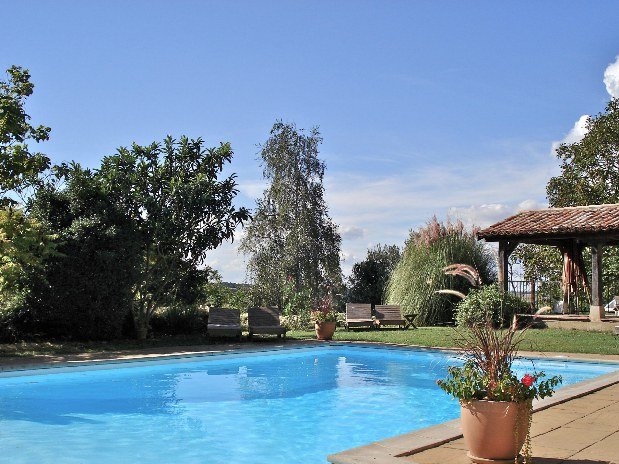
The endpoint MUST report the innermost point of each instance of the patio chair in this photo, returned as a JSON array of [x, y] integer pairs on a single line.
[[613, 306], [389, 315], [265, 321], [224, 323], [359, 316]]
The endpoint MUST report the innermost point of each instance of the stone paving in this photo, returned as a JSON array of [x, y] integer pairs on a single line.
[[580, 431]]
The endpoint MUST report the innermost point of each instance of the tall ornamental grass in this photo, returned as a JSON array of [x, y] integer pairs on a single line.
[[419, 274]]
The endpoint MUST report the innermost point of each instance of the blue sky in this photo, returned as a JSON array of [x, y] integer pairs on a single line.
[[427, 107]]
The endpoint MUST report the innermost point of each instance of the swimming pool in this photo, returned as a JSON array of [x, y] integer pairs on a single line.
[[293, 405]]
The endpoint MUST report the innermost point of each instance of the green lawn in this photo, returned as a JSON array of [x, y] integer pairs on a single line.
[[557, 340]]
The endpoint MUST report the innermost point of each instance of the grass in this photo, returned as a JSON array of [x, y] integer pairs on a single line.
[[59, 348], [548, 340]]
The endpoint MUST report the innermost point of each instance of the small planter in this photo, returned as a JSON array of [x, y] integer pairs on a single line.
[[494, 431], [325, 330]]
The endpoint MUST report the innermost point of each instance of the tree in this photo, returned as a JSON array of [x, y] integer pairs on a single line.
[[291, 234], [19, 167], [589, 168], [369, 277], [589, 173], [179, 209], [420, 272], [86, 292], [24, 246]]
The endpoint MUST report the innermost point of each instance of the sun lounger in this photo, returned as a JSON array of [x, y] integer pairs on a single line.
[[359, 316], [389, 315], [265, 321], [224, 323]]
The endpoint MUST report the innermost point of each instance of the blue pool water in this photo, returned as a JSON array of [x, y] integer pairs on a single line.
[[287, 406]]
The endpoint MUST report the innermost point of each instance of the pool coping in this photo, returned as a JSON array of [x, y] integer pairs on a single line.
[[15, 365]]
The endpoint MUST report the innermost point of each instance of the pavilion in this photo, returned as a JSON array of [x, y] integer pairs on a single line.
[[570, 229]]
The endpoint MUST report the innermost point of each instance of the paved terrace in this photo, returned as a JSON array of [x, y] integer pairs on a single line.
[[581, 431]]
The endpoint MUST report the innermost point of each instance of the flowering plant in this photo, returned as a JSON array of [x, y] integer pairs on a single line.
[[487, 371], [325, 311], [469, 383]]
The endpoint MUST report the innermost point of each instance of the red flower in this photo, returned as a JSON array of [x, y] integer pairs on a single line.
[[527, 380]]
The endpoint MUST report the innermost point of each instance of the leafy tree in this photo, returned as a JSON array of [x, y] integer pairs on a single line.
[[589, 173], [179, 209], [420, 272], [86, 290], [291, 234], [589, 168], [539, 262], [24, 246], [368, 280], [226, 295], [19, 167]]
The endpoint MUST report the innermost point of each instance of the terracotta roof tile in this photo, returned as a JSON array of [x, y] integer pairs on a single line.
[[592, 219]]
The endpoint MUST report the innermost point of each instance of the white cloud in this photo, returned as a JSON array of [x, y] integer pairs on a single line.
[[352, 232], [576, 134], [487, 214], [252, 189], [479, 192], [529, 205], [481, 215], [611, 78]]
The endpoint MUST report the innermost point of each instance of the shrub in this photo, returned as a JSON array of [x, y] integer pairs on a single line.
[[489, 303], [419, 274], [86, 291], [25, 244], [179, 319], [369, 277]]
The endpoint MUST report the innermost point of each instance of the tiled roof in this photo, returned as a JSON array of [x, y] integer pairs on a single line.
[[592, 219]]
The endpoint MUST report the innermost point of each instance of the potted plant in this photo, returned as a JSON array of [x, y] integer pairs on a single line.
[[325, 319], [495, 404]]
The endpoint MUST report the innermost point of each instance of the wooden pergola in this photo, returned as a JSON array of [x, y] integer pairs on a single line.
[[571, 230]]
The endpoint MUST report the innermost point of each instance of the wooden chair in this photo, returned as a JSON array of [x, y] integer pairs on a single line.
[[224, 323], [389, 315], [359, 316], [265, 321]]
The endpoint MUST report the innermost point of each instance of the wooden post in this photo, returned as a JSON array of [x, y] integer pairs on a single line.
[[532, 296], [505, 249], [596, 310]]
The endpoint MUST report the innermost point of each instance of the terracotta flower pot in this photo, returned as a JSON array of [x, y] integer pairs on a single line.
[[325, 330], [494, 431]]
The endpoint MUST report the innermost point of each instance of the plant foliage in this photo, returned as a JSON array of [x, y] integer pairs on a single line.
[[589, 172], [24, 246], [87, 288], [291, 233], [489, 302], [487, 371], [368, 279], [19, 166], [419, 275], [179, 208]]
